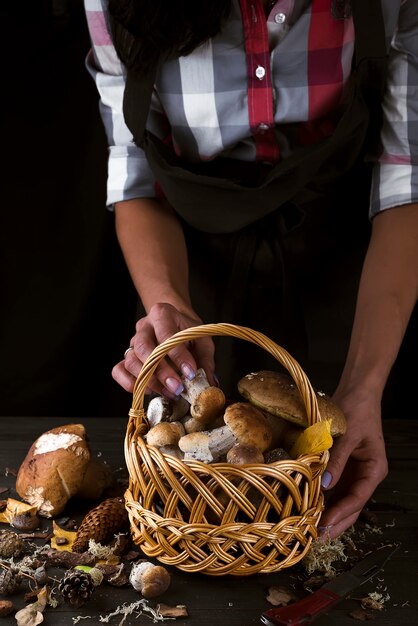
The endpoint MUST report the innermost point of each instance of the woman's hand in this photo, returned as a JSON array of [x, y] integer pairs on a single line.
[[357, 463], [163, 321]]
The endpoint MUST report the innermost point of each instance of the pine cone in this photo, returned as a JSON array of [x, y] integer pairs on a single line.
[[10, 544], [101, 523], [9, 581], [76, 587]]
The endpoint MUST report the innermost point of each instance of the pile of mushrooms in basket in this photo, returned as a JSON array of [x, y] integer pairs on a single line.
[[268, 425]]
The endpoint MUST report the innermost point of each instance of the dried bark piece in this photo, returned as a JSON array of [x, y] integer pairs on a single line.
[[180, 610], [66, 559], [101, 523]]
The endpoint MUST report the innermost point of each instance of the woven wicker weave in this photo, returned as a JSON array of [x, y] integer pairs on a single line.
[[220, 518]]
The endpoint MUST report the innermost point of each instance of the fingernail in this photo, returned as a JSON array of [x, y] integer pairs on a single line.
[[324, 530], [188, 371], [174, 386], [326, 479]]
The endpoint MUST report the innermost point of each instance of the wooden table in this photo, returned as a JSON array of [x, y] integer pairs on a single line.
[[228, 601]]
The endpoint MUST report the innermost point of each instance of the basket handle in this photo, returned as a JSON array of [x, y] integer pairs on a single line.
[[223, 329]]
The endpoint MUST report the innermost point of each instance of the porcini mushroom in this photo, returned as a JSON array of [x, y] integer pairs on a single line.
[[244, 423], [149, 579], [53, 469], [206, 402], [165, 436], [276, 393], [161, 409], [242, 454]]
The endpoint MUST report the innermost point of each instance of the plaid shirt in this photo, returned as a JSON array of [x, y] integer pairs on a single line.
[[260, 88]]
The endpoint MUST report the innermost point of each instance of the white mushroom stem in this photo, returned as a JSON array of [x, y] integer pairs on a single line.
[[162, 409], [172, 451], [207, 446], [193, 388]]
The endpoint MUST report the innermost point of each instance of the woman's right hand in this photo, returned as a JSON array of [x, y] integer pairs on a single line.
[[163, 321]]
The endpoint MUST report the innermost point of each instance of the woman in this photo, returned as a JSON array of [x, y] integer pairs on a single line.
[[252, 123]]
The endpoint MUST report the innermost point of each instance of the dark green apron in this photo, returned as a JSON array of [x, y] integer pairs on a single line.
[[279, 248]]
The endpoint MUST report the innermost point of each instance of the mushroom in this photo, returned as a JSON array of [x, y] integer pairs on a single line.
[[206, 402], [277, 454], [244, 423], [149, 579], [97, 477], [54, 468], [161, 409], [242, 454], [165, 436], [277, 394]]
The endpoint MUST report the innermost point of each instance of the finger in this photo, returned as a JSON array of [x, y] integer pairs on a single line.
[[339, 455], [165, 376], [332, 531], [123, 377], [180, 355], [351, 503]]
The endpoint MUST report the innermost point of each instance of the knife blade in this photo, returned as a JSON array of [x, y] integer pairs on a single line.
[[306, 610]]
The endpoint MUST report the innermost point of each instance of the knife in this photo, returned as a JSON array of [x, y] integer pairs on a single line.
[[306, 610]]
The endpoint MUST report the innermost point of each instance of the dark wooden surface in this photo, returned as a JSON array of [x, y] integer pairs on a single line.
[[228, 601]]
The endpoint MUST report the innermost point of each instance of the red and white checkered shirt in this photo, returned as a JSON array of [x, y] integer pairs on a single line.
[[260, 88]]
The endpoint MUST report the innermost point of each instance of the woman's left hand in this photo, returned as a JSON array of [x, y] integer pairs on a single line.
[[357, 463]]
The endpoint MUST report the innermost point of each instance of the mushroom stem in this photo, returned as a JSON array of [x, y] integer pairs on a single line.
[[162, 409]]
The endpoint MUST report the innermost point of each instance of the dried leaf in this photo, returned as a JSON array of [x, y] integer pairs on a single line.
[[60, 533], [29, 616], [32, 615], [180, 610], [16, 507], [371, 603], [314, 582], [363, 616], [280, 596]]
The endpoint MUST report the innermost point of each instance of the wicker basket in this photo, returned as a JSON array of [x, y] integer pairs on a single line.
[[220, 518]]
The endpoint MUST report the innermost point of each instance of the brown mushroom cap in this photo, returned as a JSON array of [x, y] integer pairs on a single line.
[[149, 579], [54, 468], [248, 425], [208, 405], [165, 434], [242, 454], [277, 394]]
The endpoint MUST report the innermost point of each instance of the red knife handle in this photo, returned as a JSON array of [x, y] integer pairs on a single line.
[[301, 612]]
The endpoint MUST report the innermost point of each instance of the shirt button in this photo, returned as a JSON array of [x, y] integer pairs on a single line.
[[263, 127], [260, 72], [279, 18]]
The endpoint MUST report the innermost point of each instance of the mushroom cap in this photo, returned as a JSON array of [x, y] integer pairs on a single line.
[[248, 425], [165, 434], [196, 446], [149, 579], [277, 394], [53, 469], [242, 454], [208, 404]]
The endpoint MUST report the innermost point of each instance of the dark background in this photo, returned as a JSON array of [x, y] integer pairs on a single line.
[[67, 305]]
